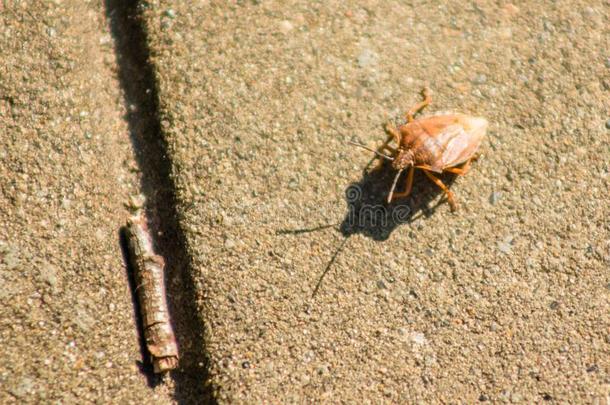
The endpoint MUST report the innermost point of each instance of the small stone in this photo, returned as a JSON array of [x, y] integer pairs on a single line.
[[286, 26], [26, 385], [367, 58], [608, 124], [418, 338], [11, 259], [245, 364], [105, 39], [48, 273], [495, 197], [99, 235], [381, 285], [505, 246], [136, 202], [83, 319], [229, 244], [170, 13], [483, 398], [515, 397], [480, 79], [323, 369], [308, 356]]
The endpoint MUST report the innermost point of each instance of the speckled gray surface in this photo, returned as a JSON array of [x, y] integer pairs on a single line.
[[507, 300]]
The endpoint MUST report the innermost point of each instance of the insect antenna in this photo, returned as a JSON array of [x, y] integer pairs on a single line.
[[372, 150], [394, 185]]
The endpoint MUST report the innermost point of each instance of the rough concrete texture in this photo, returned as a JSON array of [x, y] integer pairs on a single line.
[[67, 328], [505, 300]]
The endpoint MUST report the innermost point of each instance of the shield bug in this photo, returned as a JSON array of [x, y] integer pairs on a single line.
[[436, 144]]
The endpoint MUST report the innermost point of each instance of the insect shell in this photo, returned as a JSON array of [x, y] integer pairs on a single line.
[[436, 144]]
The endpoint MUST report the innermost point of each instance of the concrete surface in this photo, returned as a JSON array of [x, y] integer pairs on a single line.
[[503, 301], [506, 300], [67, 327]]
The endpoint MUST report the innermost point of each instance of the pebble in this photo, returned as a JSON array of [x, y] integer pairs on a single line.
[[170, 13], [309, 356], [105, 39], [83, 319], [286, 26], [505, 246], [136, 202], [608, 124], [48, 273], [381, 285], [24, 388], [495, 197], [480, 79], [11, 259], [229, 244], [367, 58], [324, 369], [418, 338]]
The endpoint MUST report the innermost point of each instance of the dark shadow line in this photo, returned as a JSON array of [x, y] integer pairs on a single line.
[[141, 98], [329, 265], [305, 230]]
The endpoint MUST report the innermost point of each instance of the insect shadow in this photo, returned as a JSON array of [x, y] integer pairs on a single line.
[[368, 212]]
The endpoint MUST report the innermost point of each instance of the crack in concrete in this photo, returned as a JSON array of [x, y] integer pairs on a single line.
[[140, 91]]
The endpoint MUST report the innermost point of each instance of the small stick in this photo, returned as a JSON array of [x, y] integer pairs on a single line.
[[150, 284]]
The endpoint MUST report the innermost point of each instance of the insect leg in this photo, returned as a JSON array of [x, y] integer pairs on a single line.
[[460, 170], [448, 192], [419, 106], [408, 187], [393, 134]]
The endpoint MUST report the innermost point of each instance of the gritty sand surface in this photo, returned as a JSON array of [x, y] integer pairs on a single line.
[[506, 300], [67, 329]]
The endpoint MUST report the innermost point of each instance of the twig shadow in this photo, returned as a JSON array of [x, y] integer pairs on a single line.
[[145, 365]]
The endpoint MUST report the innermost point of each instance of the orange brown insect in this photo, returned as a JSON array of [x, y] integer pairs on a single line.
[[436, 144]]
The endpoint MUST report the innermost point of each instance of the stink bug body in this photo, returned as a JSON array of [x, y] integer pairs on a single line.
[[435, 144]]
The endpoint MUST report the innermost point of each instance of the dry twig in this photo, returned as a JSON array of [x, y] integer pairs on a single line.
[[149, 278]]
